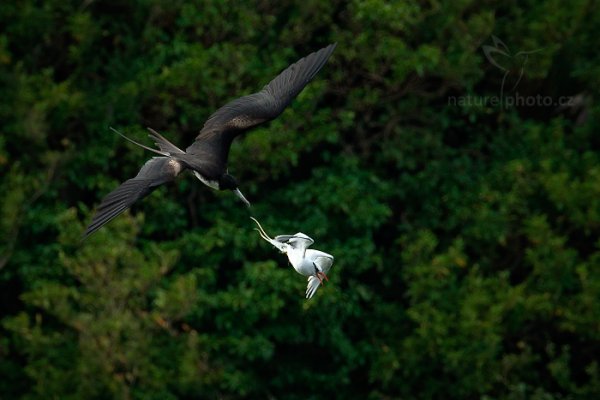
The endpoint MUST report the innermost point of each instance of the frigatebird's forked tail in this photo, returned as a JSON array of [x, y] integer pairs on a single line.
[[155, 172]]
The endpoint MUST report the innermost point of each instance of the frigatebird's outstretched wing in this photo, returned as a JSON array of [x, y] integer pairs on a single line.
[[246, 112], [154, 173]]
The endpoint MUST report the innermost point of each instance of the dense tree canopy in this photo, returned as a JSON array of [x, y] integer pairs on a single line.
[[464, 222]]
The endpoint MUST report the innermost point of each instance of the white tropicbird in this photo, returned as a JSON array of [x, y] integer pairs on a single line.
[[314, 264]]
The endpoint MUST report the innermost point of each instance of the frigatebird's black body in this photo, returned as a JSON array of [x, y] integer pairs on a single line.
[[207, 156]]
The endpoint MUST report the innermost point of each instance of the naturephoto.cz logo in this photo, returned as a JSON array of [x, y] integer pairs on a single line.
[[512, 66]]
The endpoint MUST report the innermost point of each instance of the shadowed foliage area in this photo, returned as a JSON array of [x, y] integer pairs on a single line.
[[447, 155]]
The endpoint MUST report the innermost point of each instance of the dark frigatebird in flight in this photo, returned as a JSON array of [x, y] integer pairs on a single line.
[[207, 156]]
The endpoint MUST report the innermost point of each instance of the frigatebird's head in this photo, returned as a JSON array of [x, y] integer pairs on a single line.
[[228, 182]]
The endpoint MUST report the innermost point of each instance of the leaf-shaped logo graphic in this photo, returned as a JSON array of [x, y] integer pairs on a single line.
[[500, 56]]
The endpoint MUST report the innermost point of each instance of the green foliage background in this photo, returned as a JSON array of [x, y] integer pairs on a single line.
[[465, 236]]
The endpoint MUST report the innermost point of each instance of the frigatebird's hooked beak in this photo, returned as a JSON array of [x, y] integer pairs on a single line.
[[266, 237], [241, 196]]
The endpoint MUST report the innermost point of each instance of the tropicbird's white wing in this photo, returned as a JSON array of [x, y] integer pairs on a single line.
[[324, 262]]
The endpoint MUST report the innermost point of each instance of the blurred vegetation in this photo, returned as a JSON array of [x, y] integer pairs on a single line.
[[465, 236]]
